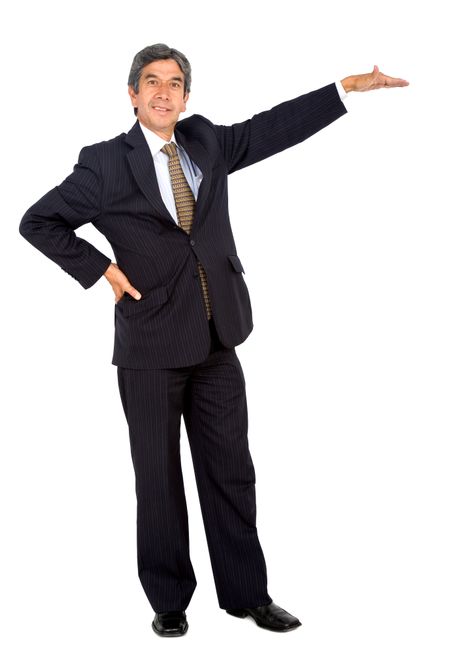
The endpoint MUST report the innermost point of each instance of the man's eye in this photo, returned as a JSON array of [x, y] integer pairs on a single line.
[[152, 81], [175, 85]]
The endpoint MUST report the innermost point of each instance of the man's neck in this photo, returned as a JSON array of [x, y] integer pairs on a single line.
[[165, 134]]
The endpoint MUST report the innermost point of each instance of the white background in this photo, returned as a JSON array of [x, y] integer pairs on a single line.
[[345, 244]]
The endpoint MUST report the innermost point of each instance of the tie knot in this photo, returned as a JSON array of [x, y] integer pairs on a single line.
[[170, 149]]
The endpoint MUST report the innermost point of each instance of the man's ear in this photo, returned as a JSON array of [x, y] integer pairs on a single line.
[[185, 98], [132, 94]]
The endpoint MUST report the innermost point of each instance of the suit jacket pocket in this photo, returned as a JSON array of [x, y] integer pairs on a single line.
[[153, 298], [237, 265]]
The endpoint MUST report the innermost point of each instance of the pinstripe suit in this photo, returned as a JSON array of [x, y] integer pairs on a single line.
[[114, 186]]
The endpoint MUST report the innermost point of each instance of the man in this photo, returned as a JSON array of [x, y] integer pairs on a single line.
[[159, 195]]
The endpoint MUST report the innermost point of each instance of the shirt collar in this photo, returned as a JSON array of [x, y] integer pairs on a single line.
[[155, 142]]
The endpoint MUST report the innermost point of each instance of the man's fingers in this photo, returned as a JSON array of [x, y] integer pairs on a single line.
[[130, 290], [133, 292], [119, 283], [390, 81], [397, 82]]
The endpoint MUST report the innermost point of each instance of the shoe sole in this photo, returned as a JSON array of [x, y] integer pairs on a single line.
[[168, 634]]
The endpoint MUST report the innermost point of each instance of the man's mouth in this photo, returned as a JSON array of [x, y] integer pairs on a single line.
[[161, 109]]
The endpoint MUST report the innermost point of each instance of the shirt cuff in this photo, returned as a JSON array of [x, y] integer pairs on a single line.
[[340, 89]]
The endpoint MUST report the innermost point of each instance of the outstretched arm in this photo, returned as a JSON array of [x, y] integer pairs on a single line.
[[289, 123], [373, 81]]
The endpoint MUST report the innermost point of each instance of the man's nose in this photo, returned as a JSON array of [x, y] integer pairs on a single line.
[[163, 90]]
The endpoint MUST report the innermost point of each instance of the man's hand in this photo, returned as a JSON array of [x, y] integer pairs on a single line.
[[120, 283], [372, 81]]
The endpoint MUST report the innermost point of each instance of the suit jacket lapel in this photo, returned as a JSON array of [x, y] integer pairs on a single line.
[[143, 168]]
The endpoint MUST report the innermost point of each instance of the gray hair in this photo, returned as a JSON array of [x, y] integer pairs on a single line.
[[158, 52]]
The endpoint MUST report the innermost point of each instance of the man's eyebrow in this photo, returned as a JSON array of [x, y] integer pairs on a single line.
[[173, 78]]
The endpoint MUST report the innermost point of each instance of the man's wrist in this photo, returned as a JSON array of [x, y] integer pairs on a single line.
[[111, 267], [347, 83]]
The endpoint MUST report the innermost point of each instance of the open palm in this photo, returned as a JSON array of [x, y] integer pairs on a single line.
[[375, 80]]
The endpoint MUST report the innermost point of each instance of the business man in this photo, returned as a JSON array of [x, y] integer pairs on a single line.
[[159, 195]]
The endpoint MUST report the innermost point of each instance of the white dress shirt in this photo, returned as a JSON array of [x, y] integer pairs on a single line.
[[191, 171]]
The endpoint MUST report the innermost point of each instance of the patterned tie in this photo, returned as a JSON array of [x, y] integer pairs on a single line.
[[185, 205]]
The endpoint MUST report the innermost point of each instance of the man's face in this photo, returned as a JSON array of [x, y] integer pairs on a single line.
[[161, 97]]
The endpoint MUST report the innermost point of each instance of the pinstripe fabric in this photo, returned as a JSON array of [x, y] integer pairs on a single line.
[[162, 345], [114, 187], [211, 397], [185, 205]]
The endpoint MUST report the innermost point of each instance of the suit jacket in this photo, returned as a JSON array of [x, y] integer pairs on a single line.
[[114, 186]]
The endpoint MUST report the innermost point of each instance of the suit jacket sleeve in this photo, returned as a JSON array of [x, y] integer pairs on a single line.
[[283, 126], [50, 223]]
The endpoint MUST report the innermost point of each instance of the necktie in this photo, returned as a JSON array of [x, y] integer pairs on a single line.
[[185, 206]]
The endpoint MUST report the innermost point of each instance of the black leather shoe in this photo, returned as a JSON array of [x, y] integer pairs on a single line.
[[170, 624], [269, 616]]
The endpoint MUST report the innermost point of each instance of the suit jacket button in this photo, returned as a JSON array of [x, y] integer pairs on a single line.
[[192, 242]]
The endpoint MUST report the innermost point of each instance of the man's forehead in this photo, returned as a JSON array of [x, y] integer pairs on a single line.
[[163, 68]]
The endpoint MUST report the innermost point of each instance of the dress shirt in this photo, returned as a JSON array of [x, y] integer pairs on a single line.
[[340, 89], [191, 171]]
